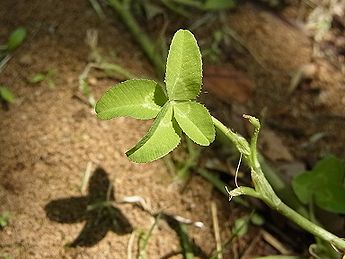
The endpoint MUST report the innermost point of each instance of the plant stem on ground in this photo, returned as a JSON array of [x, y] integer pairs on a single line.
[[185, 242], [149, 47], [264, 191], [144, 238], [192, 160]]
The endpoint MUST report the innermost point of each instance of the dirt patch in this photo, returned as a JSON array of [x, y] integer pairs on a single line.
[[49, 136], [274, 50]]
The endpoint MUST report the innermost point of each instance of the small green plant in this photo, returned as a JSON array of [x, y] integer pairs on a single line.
[[5, 256], [48, 77], [323, 185], [6, 95], [4, 219], [144, 239], [242, 224], [15, 39], [100, 63], [176, 110]]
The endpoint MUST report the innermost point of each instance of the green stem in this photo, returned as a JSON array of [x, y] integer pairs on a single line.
[[143, 241], [185, 242], [243, 190], [219, 184], [148, 46], [263, 190], [192, 160], [283, 190], [310, 226], [240, 142]]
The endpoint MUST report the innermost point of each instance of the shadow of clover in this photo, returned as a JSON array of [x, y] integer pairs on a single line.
[[95, 208]]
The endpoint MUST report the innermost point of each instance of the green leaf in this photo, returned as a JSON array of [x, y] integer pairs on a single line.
[[257, 219], [215, 5], [332, 198], [195, 120], [240, 227], [163, 137], [39, 77], [4, 219], [139, 99], [324, 185], [6, 94], [16, 38], [183, 76]]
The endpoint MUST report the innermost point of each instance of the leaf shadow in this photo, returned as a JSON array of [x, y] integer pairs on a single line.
[[160, 98], [96, 209], [195, 248]]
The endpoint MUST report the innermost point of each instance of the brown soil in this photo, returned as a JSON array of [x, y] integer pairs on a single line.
[[48, 137], [275, 49]]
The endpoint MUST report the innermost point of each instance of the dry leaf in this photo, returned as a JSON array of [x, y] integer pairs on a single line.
[[227, 83], [273, 147]]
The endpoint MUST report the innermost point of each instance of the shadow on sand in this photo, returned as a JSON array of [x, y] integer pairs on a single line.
[[96, 209]]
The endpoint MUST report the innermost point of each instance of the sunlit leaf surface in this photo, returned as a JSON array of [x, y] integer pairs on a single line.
[[184, 68], [195, 121], [139, 99], [163, 137]]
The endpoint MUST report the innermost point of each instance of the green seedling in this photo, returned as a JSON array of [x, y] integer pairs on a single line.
[[242, 224], [39, 77], [323, 185], [145, 237], [5, 256], [99, 63], [188, 163], [109, 68], [98, 9], [239, 229], [86, 91], [4, 219], [48, 77], [6, 95], [176, 110], [186, 244], [16, 38], [213, 52]]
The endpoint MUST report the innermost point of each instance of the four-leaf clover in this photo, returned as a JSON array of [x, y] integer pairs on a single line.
[[175, 108]]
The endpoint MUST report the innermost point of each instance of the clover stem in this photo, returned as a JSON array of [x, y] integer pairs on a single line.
[[309, 226], [194, 151], [263, 190], [149, 47]]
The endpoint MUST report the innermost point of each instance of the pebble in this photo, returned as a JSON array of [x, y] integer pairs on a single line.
[[93, 81]]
